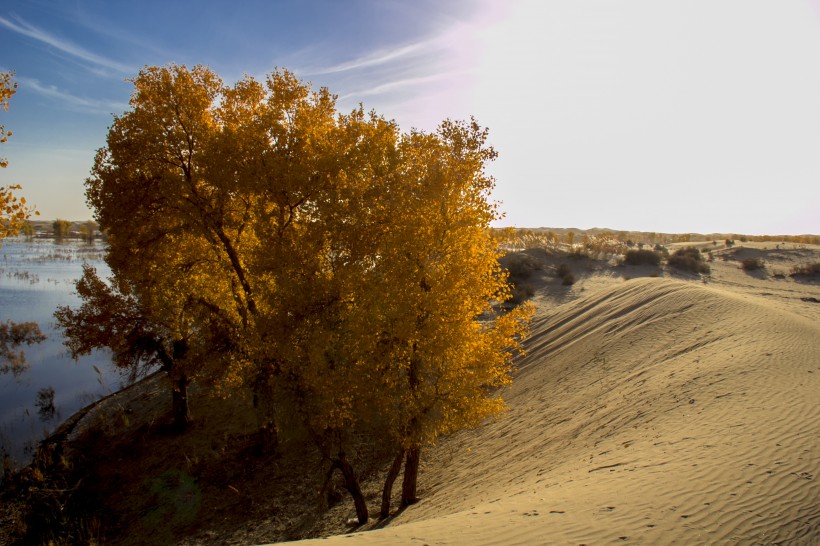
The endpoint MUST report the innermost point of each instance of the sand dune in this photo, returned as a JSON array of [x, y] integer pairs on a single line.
[[653, 411]]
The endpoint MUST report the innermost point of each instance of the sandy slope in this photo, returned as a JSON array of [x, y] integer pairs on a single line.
[[651, 410]]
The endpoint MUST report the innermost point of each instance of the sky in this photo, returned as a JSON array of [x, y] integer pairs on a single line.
[[670, 116]]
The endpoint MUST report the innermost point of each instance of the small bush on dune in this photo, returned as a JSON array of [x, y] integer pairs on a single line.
[[806, 270], [563, 272], [688, 259], [642, 257], [752, 264], [521, 293], [520, 266]]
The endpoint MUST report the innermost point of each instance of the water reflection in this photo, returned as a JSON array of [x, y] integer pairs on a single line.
[[45, 404], [36, 277]]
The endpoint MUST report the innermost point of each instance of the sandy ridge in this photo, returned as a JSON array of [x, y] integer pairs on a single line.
[[654, 411]]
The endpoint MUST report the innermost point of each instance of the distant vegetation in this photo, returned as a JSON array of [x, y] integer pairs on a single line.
[[572, 237], [642, 257], [62, 230], [752, 264], [688, 259], [806, 270]]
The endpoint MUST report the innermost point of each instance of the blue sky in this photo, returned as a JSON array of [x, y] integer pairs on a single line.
[[655, 115]]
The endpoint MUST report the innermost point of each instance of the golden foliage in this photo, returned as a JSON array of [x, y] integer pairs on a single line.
[[340, 268]]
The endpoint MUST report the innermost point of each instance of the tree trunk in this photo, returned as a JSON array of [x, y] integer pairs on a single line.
[[411, 474], [179, 385], [387, 492], [179, 403], [267, 440], [352, 486]]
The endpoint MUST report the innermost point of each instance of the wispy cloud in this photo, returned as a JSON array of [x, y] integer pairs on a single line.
[[395, 85], [380, 57], [21, 27], [82, 104]]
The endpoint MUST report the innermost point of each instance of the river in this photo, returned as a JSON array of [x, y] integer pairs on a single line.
[[35, 277]]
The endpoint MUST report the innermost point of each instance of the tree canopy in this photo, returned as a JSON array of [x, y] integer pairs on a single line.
[[340, 269]]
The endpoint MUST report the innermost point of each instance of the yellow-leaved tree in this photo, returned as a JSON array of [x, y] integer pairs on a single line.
[[444, 350], [343, 271]]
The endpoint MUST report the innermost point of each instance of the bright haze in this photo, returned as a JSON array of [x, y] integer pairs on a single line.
[[653, 115]]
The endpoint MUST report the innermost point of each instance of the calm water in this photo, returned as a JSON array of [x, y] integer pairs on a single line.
[[36, 277]]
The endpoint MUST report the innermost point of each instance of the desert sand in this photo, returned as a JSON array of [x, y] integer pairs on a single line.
[[652, 407]]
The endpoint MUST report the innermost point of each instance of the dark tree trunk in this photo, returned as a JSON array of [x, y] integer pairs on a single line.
[[411, 474], [267, 439], [352, 486], [179, 386], [179, 403], [387, 492]]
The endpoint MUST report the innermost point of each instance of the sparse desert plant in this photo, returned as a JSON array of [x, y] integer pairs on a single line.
[[806, 270], [562, 270], [564, 273], [642, 257], [730, 242], [688, 259], [752, 264], [521, 293], [520, 266]]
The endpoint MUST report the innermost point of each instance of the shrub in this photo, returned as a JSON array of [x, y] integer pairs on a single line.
[[521, 293], [642, 257], [751, 264], [520, 266], [563, 272], [688, 259], [806, 270]]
